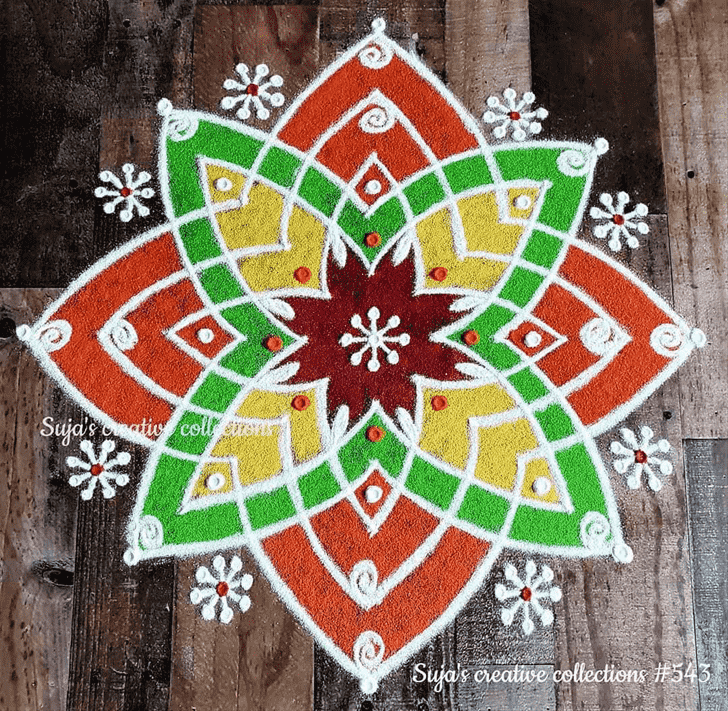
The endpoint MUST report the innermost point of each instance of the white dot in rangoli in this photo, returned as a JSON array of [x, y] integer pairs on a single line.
[[532, 339], [223, 184], [522, 202], [372, 494], [373, 187], [541, 486], [205, 335], [215, 481]]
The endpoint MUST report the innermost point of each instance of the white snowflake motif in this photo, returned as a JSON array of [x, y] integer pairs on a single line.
[[99, 469], [513, 115], [529, 595], [252, 91], [375, 339], [638, 458], [618, 223], [221, 587], [125, 192]]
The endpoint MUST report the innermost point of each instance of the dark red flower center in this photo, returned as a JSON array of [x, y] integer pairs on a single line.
[[514, 116], [252, 89], [372, 336], [125, 192], [618, 220], [96, 469], [640, 457], [526, 594], [222, 588]]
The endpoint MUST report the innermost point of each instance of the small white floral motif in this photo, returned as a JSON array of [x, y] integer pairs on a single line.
[[127, 192], [99, 469], [221, 587], [638, 458], [618, 223], [529, 595], [513, 115], [252, 91], [375, 338]]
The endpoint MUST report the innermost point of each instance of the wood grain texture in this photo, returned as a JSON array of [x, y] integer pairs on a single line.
[[486, 49], [148, 57], [37, 523], [52, 77], [418, 25], [283, 37], [706, 465], [692, 62], [593, 68], [263, 660], [122, 616]]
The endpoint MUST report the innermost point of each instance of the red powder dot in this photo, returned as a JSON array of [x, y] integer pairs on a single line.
[[273, 343], [125, 192], [375, 434], [439, 402], [526, 594], [514, 116], [96, 469], [373, 239], [302, 274], [439, 273], [222, 588], [470, 338], [640, 457], [252, 89], [300, 402], [618, 220]]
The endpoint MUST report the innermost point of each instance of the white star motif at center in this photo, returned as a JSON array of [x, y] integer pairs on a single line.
[[374, 338]]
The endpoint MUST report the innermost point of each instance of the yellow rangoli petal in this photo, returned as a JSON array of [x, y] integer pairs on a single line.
[[445, 432]]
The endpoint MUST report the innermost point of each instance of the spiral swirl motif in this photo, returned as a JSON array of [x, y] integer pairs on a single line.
[[124, 336], [596, 532], [573, 163], [182, 127], [375, 56], [54, 335], [668, 340], [597, 336], [376, 120], [151, 533], [368, 650], [363, 579]]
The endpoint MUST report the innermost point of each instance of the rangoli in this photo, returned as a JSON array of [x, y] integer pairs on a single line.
[[369, 347]]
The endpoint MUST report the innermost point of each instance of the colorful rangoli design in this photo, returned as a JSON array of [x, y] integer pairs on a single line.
[[368, 347]]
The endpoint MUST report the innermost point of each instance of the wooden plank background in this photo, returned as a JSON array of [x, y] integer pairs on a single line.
[[80, 84]]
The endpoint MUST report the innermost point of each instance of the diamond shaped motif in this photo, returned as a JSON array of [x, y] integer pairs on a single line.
[[373, 493], [373, 186]]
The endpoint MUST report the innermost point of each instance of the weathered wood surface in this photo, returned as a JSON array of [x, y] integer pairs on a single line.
[[593, 68], [692, 64], [37, 521], [81, 85], [261, 661], [706, 464]]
